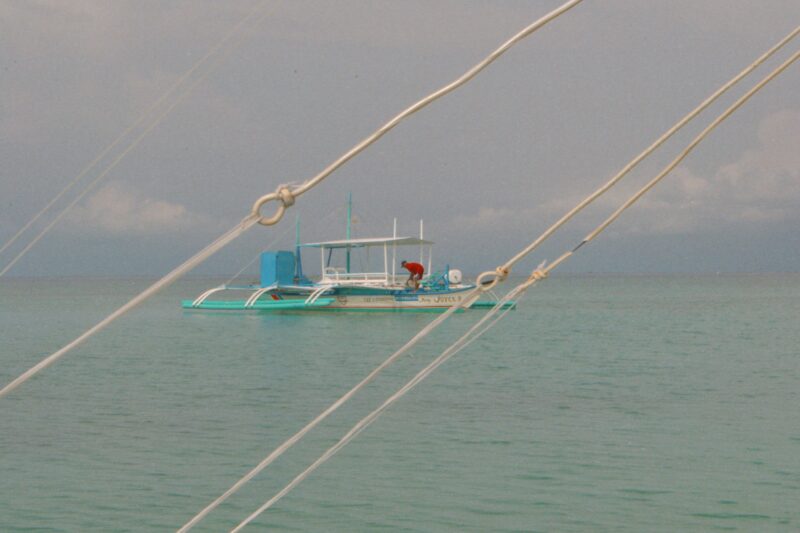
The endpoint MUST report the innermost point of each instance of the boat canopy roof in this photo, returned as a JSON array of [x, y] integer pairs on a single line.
[[361, 243]]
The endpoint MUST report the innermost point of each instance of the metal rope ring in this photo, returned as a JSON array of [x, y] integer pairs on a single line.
[[286, 198], [497, 275]]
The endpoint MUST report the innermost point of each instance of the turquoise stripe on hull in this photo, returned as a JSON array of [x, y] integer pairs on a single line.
[[489, 305], [322, 304]]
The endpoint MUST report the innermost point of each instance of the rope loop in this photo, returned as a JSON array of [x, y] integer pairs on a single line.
[[497, 275], [283, 194]]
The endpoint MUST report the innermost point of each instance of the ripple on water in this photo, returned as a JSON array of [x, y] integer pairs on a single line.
[[733, 516]]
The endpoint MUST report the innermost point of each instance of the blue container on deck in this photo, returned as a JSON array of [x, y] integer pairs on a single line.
[[277, 267]]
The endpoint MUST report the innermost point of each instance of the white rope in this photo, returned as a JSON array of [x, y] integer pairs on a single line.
[[658, 142], [180, 97], [736, 105], [542, 272], [255, 258], [480, 328], [464, 78], [188, 265], [456, 347], [275, 241], [277, 452], [130, 128]]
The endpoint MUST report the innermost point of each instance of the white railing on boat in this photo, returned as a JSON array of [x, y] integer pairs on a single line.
[[314, 296], [256, 295], [200, 299], [341, 277]]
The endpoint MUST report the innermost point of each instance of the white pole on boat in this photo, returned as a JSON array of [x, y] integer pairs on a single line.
[[298, 261], [421, 249], [349, 222], [394, 252], [430, 258], [386, 263]]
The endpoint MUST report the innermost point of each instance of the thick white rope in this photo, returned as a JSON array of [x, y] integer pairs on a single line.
[[170, 278], [269, 246], [188, 265], [439, 320], [456, 347], [277, 452], [478, 329], [142, 118], [703, 134], [658, 142], [471, 73], [275, 241]]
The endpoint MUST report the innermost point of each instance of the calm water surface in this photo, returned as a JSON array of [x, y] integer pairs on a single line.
[[636, 403]]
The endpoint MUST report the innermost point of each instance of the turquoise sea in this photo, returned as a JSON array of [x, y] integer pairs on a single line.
[[603, 403]]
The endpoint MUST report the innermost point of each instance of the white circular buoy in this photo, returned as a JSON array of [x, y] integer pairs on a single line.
[[454, 276]]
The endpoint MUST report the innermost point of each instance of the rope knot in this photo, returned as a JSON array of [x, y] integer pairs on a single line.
[[538, 275], [285, 195], [501, 273]]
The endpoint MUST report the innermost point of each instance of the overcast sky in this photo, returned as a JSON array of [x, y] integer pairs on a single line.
[[488, 167]]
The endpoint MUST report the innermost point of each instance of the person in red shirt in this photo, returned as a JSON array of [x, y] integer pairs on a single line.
[[416, 271]]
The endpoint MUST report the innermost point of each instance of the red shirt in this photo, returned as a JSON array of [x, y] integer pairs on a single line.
[[415, 269]]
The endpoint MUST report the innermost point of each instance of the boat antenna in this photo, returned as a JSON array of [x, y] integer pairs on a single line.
[[298, 263], [394, 251], [349, 225], [421, 248]]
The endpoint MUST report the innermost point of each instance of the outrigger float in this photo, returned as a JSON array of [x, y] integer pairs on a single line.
[[283, 286]]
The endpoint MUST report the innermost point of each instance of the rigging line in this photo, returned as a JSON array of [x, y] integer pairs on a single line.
[[179, 98], [541, 273], [744, 98], [464, 78], [188, 265], [635, 161], [537, 275], [133, 126], [456, 347], [277, 452], [287, 197], [253, 260], [275, 241]]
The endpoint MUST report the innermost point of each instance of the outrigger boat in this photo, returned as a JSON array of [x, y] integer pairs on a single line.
[[283, 286]]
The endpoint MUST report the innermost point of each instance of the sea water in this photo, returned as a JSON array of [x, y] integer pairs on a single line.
[[603, 403]]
